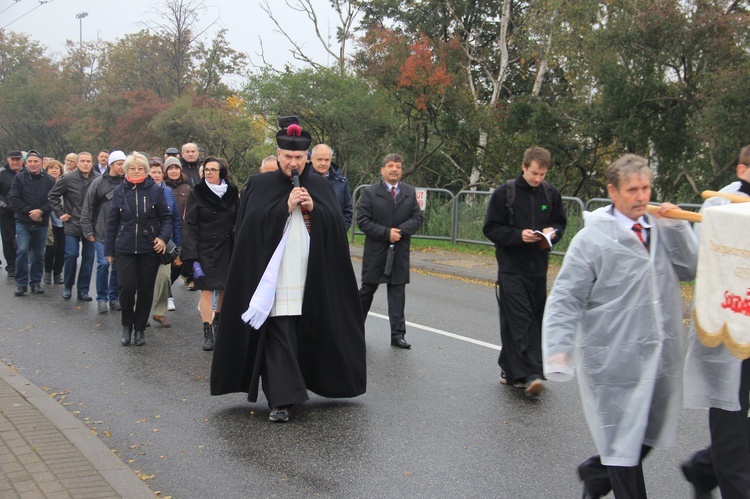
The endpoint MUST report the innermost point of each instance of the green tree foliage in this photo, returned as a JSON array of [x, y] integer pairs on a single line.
[[345, 112], [459, 87]]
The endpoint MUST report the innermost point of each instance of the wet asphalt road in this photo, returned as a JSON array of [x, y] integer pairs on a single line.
[[435, 422]]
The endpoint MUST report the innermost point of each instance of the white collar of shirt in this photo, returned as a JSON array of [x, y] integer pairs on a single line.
[[627, 222], [390, 187]]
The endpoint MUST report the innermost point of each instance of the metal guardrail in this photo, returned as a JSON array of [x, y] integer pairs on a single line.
[[459, 218]]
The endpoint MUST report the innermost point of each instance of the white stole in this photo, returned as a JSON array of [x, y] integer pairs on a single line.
[[281, 289]]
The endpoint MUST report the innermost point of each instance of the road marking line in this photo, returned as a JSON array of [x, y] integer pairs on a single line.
[[444, 333]]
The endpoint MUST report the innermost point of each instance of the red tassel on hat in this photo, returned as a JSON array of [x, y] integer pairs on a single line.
[[294, 130]]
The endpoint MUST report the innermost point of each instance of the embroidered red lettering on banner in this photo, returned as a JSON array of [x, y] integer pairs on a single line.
[[736, 303]]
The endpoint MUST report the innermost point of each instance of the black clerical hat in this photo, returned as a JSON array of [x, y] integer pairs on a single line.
[[291, 137]]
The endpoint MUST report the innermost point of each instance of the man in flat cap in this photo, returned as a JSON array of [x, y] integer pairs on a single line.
[[28, 197], [171, 152], [291, 315], [7, 216]]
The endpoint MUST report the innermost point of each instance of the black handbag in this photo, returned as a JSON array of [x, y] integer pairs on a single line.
[[169, 255]]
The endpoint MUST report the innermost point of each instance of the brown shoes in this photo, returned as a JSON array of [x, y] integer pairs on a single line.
[[161, 319]]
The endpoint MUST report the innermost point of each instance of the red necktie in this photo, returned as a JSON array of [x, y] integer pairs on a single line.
[[393, 194], [638, 229]]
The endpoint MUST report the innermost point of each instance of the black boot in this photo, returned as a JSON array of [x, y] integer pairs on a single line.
[[140, 339], [208, 336], [126, 330], [215, 324]]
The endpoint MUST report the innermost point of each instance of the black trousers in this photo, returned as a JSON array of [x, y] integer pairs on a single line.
[[625, 481], [8, 234], [54, 256], [726, 462], [137, 274], [281, 377], [396, 305], [521, 300]]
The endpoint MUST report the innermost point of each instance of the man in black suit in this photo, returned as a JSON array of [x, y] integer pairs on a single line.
[[388, 215]]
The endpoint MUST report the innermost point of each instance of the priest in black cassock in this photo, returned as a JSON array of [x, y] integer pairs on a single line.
[[291, 317]]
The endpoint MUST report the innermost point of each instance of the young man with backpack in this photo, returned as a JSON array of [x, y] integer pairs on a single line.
[[520, 213]]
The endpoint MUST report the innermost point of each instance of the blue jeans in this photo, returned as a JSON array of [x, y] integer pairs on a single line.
[[106, 280], [71, 263], [30, 240]]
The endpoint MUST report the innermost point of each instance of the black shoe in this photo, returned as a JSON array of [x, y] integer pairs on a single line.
[[400, 343], [58, 279], [140, 339], [280, 414], [20, 291], [215, 324], [67, 293], [37, 289], [47, 278], [208, 337], [689, 472], [126, 331], [84, 297]]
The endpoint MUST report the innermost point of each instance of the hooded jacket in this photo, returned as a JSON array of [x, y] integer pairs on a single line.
[[616, 311], [96, 206]]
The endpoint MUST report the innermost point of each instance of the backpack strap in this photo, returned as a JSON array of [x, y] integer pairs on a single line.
[[510, 198]]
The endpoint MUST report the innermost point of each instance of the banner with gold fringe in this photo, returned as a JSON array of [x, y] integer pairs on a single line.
[[722, 288]]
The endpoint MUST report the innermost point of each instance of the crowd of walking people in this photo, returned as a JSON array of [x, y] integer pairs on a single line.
[[126, 213], [284, 314]]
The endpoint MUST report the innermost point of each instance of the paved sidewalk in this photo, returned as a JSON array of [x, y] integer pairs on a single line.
[[46, 452]]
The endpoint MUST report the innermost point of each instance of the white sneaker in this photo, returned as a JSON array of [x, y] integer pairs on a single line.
[[170, 304]]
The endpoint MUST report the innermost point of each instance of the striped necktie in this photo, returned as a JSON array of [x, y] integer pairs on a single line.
[[638, 229]]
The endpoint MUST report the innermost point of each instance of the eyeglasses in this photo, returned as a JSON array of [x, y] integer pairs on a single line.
[[211, 170]]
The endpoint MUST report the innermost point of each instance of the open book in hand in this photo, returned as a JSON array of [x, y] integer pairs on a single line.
[[546, 241]]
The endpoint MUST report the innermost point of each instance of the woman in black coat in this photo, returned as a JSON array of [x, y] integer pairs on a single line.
[[207, 239], [138, 228]]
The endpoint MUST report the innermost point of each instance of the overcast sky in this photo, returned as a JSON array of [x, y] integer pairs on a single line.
[[54, 22]]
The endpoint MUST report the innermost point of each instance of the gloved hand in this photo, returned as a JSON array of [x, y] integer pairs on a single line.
[[197, 270]]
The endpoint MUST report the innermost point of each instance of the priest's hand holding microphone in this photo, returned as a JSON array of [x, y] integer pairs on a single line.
[[299, 195]]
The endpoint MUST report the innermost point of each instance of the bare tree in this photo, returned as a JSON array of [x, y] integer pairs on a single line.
[[347, 11]]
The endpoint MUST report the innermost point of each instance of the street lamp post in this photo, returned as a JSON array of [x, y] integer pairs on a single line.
[[80, 27]]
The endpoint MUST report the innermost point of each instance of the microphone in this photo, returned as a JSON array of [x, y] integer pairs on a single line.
[[295, 181], [295, 177]]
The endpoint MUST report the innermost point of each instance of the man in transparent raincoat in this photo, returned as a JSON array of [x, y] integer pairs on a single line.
[[614, 318]]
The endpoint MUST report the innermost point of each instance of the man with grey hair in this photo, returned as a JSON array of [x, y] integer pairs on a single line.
[[321, 159], [268, 164], [616, 310]]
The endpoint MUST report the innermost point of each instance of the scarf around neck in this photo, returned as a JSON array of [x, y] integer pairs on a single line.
[[220, 189]]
